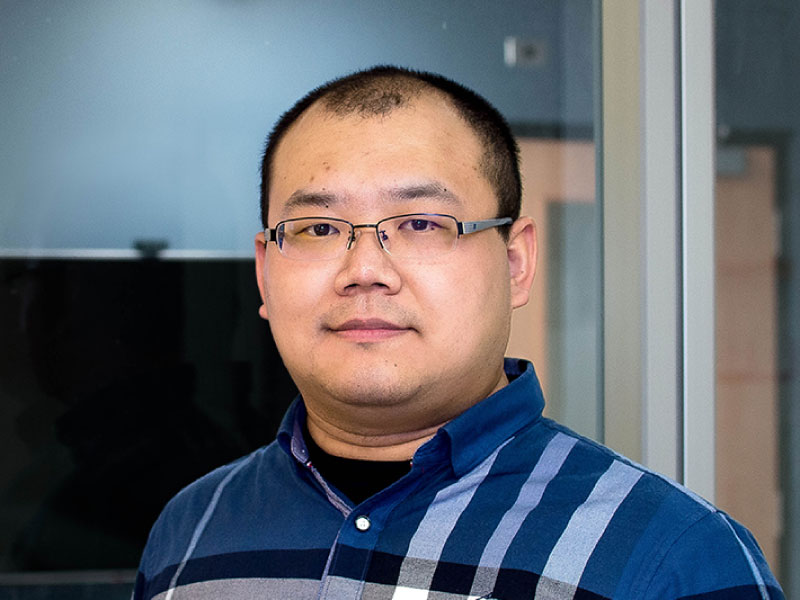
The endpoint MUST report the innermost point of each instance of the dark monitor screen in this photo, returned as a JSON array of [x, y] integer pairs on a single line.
[[121, 381]]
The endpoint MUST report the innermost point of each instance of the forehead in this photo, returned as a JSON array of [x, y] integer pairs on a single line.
[[355, 158]]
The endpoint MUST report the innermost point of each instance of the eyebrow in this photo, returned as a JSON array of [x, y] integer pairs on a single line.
[[302, 198], [433, 190]]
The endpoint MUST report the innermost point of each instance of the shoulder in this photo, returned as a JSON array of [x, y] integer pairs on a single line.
[[677, 543], [714, 557], [199, 493], [169, 535]]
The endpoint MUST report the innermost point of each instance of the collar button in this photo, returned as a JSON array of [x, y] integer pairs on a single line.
[[363, 523]]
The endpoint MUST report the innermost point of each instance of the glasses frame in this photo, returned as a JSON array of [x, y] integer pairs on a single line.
[[463, 228]]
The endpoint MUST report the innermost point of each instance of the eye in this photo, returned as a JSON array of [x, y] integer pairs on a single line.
[[419, 225], [320, 230]]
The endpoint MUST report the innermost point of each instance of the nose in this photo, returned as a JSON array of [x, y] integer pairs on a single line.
[[366, 266]]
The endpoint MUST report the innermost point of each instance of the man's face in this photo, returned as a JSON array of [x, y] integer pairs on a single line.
[[401, 343]]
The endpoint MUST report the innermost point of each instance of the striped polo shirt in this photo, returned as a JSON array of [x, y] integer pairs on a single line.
[[501, 504]]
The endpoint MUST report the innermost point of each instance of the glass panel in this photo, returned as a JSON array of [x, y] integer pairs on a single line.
[[132, 357], [558, 330], [143, 122], [757, 290]]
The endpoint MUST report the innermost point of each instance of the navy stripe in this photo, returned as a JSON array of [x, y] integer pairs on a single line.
[[513, 583], [581, 594], [544, 526], [290, 564], [349, 562], [453, 578], [612, 553], [161, 582], [384, 568]]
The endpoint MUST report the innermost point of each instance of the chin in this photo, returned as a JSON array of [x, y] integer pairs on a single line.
[[366, 393]]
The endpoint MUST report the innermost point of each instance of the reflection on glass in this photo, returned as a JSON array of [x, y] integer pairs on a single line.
[[758, 284], [558, 329], [747, 243]]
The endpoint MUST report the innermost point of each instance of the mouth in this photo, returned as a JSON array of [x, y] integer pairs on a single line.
[[368, 330]]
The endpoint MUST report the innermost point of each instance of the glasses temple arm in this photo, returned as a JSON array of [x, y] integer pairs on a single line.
[[465, 227]]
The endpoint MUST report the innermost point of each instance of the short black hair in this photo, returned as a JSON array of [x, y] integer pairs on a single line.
[[379, 90]]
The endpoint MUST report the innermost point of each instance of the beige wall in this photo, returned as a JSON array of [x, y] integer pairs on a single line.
[[747, 346], [552, 171]]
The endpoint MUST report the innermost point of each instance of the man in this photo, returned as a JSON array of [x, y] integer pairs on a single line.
[[416, 463]]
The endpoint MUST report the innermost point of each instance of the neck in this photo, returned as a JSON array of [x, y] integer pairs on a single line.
[[371, 438], [377, 447]]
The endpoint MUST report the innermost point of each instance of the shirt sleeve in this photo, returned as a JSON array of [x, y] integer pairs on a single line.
[[139, 588], [715, 558]]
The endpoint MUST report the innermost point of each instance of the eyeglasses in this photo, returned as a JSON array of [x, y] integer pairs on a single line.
[[419, 235]]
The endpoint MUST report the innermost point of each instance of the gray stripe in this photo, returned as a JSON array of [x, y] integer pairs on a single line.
[[530, 494], [437, 525], [586, 526], [377, 591], [247, 589], [201, 525], [339, 588], [547, 589]]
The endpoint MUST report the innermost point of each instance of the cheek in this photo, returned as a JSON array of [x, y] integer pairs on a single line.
[[474, 294], [291, 293], [493, 301]]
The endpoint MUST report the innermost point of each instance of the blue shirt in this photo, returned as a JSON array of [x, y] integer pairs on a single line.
[[502, 503]]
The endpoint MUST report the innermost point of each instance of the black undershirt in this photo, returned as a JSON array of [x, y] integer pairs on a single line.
[[356, 479]]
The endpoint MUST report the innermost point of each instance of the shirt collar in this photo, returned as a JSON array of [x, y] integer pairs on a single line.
[[290, 433], [479, 430], [469, 438]]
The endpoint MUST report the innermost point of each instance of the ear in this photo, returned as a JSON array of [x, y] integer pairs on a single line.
[[261, 256], [522, 249]]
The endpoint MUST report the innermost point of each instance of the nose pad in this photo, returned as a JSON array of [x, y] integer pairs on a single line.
[[369, 268], [381, 235]]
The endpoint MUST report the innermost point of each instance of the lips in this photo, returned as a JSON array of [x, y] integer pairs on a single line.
[[366, 325], [368, 330]]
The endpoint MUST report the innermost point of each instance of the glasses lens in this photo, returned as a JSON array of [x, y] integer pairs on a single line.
[[313, 239], [419, 235]]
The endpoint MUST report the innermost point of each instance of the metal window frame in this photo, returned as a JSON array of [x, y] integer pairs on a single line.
[[657, 187]]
